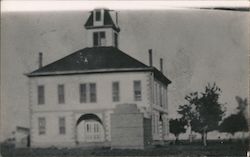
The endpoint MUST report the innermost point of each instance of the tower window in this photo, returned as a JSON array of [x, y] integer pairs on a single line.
[[98, 15], [99, 39], [116, 39]]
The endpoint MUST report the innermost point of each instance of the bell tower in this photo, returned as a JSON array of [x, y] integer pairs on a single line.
[[102, 28]]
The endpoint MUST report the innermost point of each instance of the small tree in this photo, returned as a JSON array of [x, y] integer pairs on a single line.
[[203, 110], [210, 110], [236, 122], [242, 111], [233, 124], [189, 113], [177, 126]]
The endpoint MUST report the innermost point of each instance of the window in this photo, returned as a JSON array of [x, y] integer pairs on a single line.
[[41, 96], [155, 94], [96, 128], [83, 93], [92, 92], [61, 98], [98, 15], [156, 124], [115, 91], [88, 128], [41, 126], [62, 126], [137, 90], [99, 39], [166, 98], [161, 95], [153, 122], [158, 94], [87, 92], [93, 131], [116, 39]]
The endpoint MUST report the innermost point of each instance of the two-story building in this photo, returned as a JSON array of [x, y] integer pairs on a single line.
[[72, 99]]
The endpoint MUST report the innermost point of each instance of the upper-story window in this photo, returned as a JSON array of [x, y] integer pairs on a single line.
[[40, 95], [98, 15], [137, 90], [161, 95], [61, 95], [115, 91], [92, 92], [83, 93], [99, 39], [62, 125], [87, 92], [41, 126]]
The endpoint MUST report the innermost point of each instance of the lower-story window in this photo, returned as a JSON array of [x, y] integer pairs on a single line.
[[62, 126], [156, 124], [41, 125]]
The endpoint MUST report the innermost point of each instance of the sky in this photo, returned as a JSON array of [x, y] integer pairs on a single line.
[[198, 46]]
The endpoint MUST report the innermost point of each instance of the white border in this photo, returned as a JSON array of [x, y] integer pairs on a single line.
[[19, 6]]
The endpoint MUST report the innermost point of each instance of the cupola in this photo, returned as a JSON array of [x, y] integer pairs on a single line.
[[102, 28]]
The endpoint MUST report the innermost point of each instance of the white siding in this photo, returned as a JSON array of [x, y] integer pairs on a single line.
[[52, 136], [103, 87], [72, 108]]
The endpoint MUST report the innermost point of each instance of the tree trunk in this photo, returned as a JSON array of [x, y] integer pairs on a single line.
[[204, 138], [191, 132], [176, 139], [191, 136], [243, 137]]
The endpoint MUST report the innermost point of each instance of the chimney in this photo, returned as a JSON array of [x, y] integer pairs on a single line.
[[161, 65], [40, 59], [150, 57]]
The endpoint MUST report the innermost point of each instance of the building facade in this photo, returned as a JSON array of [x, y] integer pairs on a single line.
[[72, 99]]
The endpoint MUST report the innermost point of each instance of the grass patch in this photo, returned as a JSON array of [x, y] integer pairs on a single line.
[[184, 149]]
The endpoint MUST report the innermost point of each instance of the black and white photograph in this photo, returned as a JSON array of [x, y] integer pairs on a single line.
[[124, 78]]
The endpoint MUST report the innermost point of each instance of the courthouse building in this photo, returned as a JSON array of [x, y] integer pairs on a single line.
[[73, 100]]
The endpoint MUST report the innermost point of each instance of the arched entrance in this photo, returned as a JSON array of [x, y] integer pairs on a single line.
[[89, 128]]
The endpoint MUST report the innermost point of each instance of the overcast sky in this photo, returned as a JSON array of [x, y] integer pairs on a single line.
[[198, 46]]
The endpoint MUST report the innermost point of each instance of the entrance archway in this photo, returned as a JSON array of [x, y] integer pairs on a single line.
[[89, 128]]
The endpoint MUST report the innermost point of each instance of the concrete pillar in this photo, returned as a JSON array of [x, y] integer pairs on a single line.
[[165, 126], [74, 127], [105, 127], [127, 127]]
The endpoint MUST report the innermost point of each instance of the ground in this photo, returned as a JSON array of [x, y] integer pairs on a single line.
[[183, 149]]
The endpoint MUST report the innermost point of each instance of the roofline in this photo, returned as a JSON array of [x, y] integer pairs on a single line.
[[86, 72], [150, 69]]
